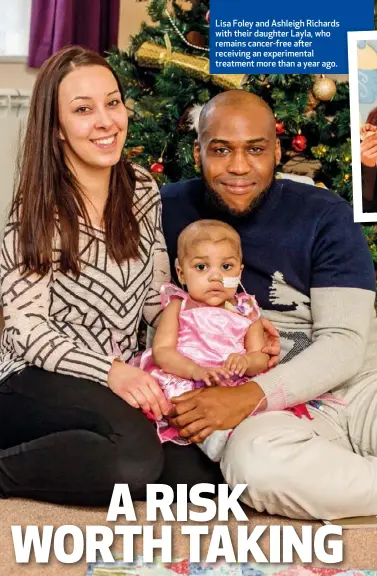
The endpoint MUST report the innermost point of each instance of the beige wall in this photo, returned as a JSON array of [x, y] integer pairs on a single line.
[[132, 14], [16, 75]]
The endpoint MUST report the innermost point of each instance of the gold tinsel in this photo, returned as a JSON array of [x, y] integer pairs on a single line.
[[152, 55]]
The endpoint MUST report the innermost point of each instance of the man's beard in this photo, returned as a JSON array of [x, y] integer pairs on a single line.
[[224, 207]]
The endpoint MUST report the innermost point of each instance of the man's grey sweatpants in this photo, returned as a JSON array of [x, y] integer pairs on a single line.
[[323, 468]]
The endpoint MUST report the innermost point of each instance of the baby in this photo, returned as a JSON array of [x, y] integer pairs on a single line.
[[211, 334]]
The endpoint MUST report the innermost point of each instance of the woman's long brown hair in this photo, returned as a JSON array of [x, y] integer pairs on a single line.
[[46, 187]]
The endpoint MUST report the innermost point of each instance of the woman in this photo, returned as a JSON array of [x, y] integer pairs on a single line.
[[83, 259], [368, 150]]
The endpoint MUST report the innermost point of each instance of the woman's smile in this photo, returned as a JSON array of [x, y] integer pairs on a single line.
[[106, 143]]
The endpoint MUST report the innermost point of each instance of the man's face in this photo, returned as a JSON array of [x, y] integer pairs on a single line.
[[237, 154]]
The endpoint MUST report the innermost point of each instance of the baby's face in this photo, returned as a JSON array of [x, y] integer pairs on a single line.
[[204, 267]]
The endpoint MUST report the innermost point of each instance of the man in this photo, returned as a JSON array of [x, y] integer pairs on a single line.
[[309, 267]]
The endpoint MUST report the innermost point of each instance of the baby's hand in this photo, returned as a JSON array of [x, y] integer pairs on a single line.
[[211, 376], [236, 364]]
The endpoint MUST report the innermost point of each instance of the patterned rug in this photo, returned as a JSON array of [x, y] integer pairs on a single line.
[[183, 567]]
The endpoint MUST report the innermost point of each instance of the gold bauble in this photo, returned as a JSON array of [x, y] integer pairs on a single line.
[[324, 89]]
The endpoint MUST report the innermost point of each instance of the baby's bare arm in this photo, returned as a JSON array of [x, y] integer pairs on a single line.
[[254, 361], [164, 348]]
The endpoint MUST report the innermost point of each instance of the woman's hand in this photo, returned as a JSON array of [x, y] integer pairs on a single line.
[[367, 130], [272, 339], [211, 376], [199, 413], [137, 388]]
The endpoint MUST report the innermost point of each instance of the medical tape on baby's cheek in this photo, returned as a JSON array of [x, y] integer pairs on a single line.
[[231, 281]]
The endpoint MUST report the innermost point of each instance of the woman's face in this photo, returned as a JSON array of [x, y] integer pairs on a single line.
[[92, 118]]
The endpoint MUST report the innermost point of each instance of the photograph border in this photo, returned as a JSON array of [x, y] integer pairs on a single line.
[[352, 39]]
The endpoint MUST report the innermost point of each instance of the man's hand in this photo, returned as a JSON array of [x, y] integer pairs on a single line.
[[198, 413], [272, 339]]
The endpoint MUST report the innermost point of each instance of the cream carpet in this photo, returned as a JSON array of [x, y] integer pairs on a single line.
[[360, 550]]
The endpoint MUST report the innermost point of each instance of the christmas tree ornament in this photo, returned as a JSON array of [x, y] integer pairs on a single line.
[[301, 165], [321, 185], [153, 55], [157, 168], [312, 102], [186, 123], [196, 38], [207, 17], [135, 151], [177, 30], [324, 89], [280, 128], [320, 151], [298, 143], [186, 5], [193, 116]]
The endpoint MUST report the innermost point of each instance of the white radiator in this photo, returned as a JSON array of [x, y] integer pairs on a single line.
[[14, 106], [14, 102]]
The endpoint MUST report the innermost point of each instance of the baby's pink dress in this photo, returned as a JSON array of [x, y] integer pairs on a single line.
[[207, 335]]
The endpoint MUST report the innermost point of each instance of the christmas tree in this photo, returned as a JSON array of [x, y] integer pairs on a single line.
[[166, 78]]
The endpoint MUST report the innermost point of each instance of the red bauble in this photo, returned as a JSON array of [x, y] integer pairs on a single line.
[[196, 38], [207, 17], [280, 127], [157, 168], [298, 143]]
